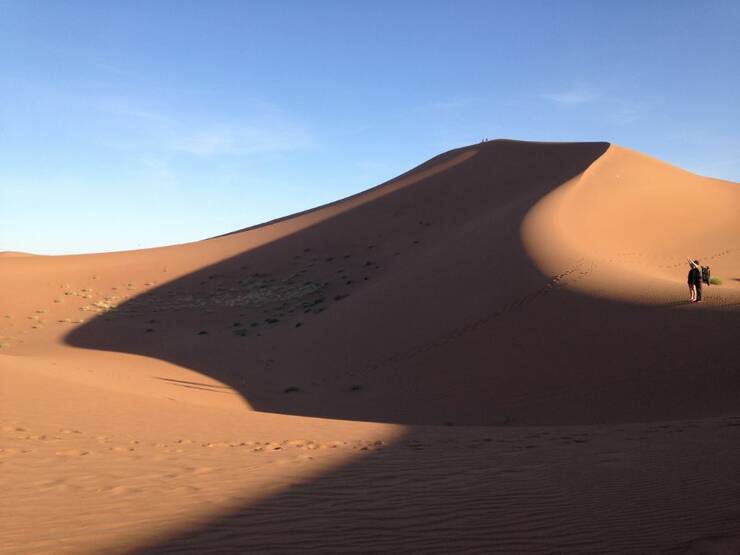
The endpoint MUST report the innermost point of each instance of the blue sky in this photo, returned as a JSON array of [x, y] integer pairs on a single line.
[[128, 124]]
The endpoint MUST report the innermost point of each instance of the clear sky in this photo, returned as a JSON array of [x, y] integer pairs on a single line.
[[136, 123]]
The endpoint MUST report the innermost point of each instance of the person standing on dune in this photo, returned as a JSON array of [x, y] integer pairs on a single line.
[[694, 279]]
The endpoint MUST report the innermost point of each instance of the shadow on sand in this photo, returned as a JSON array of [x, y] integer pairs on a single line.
[[398, 310]]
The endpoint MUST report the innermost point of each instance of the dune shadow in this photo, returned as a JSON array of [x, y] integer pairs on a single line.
[[341, 292], [495, 490], [677, 303], [399, 310]]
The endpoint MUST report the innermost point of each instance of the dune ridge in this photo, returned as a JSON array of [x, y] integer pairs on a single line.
[[639, 219], [503, 330]]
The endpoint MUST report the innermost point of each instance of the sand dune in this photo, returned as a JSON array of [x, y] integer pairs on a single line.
[[491, 353], [637, 219]]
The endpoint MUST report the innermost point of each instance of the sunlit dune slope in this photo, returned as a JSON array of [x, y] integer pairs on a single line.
[[635, 220], [502, 283]]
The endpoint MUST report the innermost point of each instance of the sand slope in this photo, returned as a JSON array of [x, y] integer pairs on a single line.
[[633, 220], [534, 290]]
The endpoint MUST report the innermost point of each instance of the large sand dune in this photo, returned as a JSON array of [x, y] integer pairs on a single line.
[[492, 352]]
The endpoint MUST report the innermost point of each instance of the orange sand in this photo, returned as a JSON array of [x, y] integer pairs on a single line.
[[490, 353]]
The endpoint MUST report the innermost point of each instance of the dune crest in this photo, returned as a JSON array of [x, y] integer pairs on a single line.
[[491, 352], [632, 221]]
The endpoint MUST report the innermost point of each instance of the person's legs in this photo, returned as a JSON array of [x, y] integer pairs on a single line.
[[692, 292], [698, 293]]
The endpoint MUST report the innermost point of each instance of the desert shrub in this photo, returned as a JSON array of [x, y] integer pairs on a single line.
[[715, 281]]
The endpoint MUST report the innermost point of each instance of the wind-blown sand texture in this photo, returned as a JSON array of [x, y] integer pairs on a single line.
[[493, 352]]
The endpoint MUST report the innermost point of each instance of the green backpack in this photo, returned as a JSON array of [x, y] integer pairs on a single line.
[[705, 275]]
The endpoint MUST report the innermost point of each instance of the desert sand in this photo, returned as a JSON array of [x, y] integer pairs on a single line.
[[493, 352]]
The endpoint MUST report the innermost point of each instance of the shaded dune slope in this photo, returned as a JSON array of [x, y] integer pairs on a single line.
[[527, 284], [419, 301]]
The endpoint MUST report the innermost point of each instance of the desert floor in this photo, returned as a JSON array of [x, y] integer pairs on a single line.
[[493, 352]]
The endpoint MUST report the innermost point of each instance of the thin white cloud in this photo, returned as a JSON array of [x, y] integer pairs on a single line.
[[446, 105], [241, 139], [152, 126], [622, 115], [573, 97], [613, 110], [157, 167], [130, 111], [450, 104]]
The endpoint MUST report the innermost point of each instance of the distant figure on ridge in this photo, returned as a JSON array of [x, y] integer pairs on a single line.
[[694, 280]]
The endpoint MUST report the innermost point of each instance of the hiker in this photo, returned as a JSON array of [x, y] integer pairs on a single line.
[[694, 279]]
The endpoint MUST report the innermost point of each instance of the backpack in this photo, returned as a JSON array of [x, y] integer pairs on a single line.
[[705, 275]]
